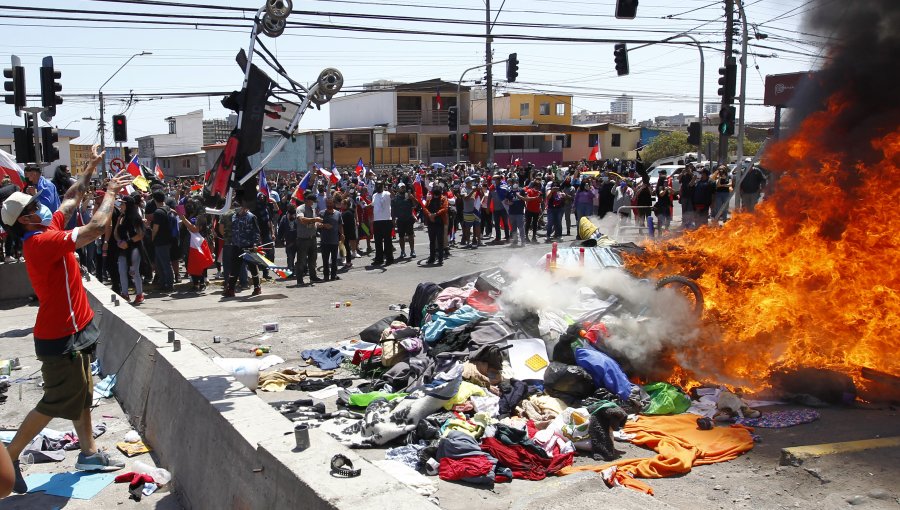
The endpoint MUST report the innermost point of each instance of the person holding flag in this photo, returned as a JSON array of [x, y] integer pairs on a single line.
[[302, 186], [361, 169]]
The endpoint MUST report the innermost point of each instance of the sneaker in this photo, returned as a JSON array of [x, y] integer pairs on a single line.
[[228, 293], [412, 254], [19, 487], [402, 254], [256, 291], [138, 299], [100, 461], [125, 298], [9, 260]]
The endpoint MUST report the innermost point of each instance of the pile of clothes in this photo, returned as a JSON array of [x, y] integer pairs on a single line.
[[465, 390]]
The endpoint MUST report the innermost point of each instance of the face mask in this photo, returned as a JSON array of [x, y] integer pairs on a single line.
[[45, 214]]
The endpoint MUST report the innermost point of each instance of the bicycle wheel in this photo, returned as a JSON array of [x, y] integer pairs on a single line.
[[685, 287]]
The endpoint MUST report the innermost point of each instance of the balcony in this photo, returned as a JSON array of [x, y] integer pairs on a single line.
[[409, 117]]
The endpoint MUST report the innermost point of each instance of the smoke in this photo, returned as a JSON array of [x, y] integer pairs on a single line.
[[646, 325], [860, 66]]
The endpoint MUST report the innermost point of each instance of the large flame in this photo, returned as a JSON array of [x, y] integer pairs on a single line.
[[812, 277]]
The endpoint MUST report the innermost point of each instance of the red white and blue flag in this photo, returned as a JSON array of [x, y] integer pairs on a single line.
[[361, 169], [438, 100], [595, 152], [335, 174], [301, 188], [134, 167], [264, 183]]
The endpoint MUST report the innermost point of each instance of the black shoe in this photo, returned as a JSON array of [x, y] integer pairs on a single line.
[[389, 262], [377, 262], [335, 277], [316, 279], [440, 262], [19, 487], [430, 262]]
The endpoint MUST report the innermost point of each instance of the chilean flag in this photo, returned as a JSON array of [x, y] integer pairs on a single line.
[[134, 168], [199, 257], [159, 173], [595, 152], [264, 184], [9, 167], [417, 188], [438, 100], [360, 168], [301, 188], [322, 171], [335, 174]]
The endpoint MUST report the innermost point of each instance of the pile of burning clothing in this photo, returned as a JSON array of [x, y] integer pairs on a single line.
[[467, 387]]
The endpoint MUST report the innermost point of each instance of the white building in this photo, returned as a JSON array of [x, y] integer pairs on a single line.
[[178, 152], [623, 104]]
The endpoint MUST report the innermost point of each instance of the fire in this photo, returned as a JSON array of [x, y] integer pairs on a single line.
[[811, 278]]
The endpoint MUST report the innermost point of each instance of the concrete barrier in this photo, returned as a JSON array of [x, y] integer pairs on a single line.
[[15, 282], [225, 447]]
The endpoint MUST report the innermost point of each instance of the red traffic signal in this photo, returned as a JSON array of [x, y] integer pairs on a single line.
[[120, 129]]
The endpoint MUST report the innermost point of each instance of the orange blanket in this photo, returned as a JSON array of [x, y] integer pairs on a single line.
[[679, 444]]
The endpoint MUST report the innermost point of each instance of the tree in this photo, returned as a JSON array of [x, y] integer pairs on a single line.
[[674, 143]]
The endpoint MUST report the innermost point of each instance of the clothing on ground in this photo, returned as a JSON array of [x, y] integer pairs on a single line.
[[326, 359]]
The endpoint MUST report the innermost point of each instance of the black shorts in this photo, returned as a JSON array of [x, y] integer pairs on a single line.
[[405, 228]]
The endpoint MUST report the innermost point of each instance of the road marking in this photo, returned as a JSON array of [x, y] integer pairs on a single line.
[[795, 455]]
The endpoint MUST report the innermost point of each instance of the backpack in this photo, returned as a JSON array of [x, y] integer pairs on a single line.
[[173, 225]]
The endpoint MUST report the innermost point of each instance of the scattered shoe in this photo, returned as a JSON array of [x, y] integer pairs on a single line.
[[100, 461]]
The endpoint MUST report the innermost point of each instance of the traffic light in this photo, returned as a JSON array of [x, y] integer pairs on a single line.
[[49, 139], [24, 142], [626, 9], [120, 129], [512, 67], [620, 53], [452, 141], [728, 79], [49, 89], [16, 84], [726, 120], [694, 131], [464, 141], [452, 118]]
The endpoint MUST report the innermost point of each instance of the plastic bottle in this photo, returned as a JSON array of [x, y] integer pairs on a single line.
[[160, 475]]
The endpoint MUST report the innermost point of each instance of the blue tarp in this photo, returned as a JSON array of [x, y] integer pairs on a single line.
[[605, 372]]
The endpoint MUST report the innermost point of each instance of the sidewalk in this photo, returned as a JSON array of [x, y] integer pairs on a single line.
[[16, 341]]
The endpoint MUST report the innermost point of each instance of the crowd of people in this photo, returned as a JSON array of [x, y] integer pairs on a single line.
[[374, 213]]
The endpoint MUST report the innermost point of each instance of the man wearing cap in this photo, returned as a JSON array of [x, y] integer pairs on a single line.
[[499, 199], [64, 332], [403, 209], [307, 223]]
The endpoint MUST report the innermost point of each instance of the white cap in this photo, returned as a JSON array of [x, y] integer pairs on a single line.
[[14, 205]]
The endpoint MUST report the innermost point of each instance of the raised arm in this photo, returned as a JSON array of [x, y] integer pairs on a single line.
[[76, 191], [97, 226]]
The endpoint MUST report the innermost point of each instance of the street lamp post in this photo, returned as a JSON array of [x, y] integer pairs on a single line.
[[702, 71], [102, 106]]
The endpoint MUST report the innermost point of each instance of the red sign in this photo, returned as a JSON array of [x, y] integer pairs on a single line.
[[116, 164], [781, 88]]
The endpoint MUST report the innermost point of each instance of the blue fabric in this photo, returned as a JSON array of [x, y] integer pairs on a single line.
[[440, 322], [326, 359], [47, 195], [605, 372], [78, 485]]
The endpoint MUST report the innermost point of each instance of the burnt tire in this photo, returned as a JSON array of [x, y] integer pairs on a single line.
[[687, 287]]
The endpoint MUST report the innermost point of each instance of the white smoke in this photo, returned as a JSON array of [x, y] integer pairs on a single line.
[[644, 323]]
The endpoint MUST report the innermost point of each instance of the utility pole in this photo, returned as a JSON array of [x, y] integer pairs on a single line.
[[744, 37], [490, 85], [729, 31]]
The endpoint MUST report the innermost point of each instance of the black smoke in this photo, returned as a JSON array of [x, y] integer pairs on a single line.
[[862, 65]]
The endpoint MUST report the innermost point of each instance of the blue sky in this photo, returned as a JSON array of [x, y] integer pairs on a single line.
[[663, 79]]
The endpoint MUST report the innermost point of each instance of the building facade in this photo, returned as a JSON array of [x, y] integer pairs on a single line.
[[623, 104], [397, 123], [218, 130], [177, 152]]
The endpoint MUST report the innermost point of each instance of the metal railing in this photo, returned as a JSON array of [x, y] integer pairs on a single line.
[[409, 117]]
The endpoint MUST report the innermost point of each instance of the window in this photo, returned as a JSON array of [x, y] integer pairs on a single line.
[[545, 109], [523, 110], [616, 140], [187, 163], [320, 143], [566, 141], [172, 127], [560, 108], [593, 139], [409, 103]]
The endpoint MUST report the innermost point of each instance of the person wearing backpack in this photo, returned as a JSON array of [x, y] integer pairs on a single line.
[[161, 233], [178, 233]]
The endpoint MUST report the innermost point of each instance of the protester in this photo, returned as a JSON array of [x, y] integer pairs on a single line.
[[64, 332], [45, 190], [403, 209], [307, 221], [702, 198], [555, 207], [128, 233], [436, 208], [517, 213], [287, 234], [723, 193], [332, 237], [245, 236], [163, 238], [751, 185], [381, 205], [499, 194]]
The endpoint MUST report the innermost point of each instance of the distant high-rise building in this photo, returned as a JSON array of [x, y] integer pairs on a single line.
[[218, 130], [623, 104], [710, 108]]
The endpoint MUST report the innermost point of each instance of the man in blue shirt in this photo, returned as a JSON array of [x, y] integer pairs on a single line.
[[39, 185]]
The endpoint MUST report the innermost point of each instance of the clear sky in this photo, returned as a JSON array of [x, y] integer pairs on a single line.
[[664, 78]]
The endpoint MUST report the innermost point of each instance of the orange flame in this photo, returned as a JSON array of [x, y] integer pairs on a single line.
[[811, 278]]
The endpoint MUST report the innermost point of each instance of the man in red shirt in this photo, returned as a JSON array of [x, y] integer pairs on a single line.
[[64, 333]]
